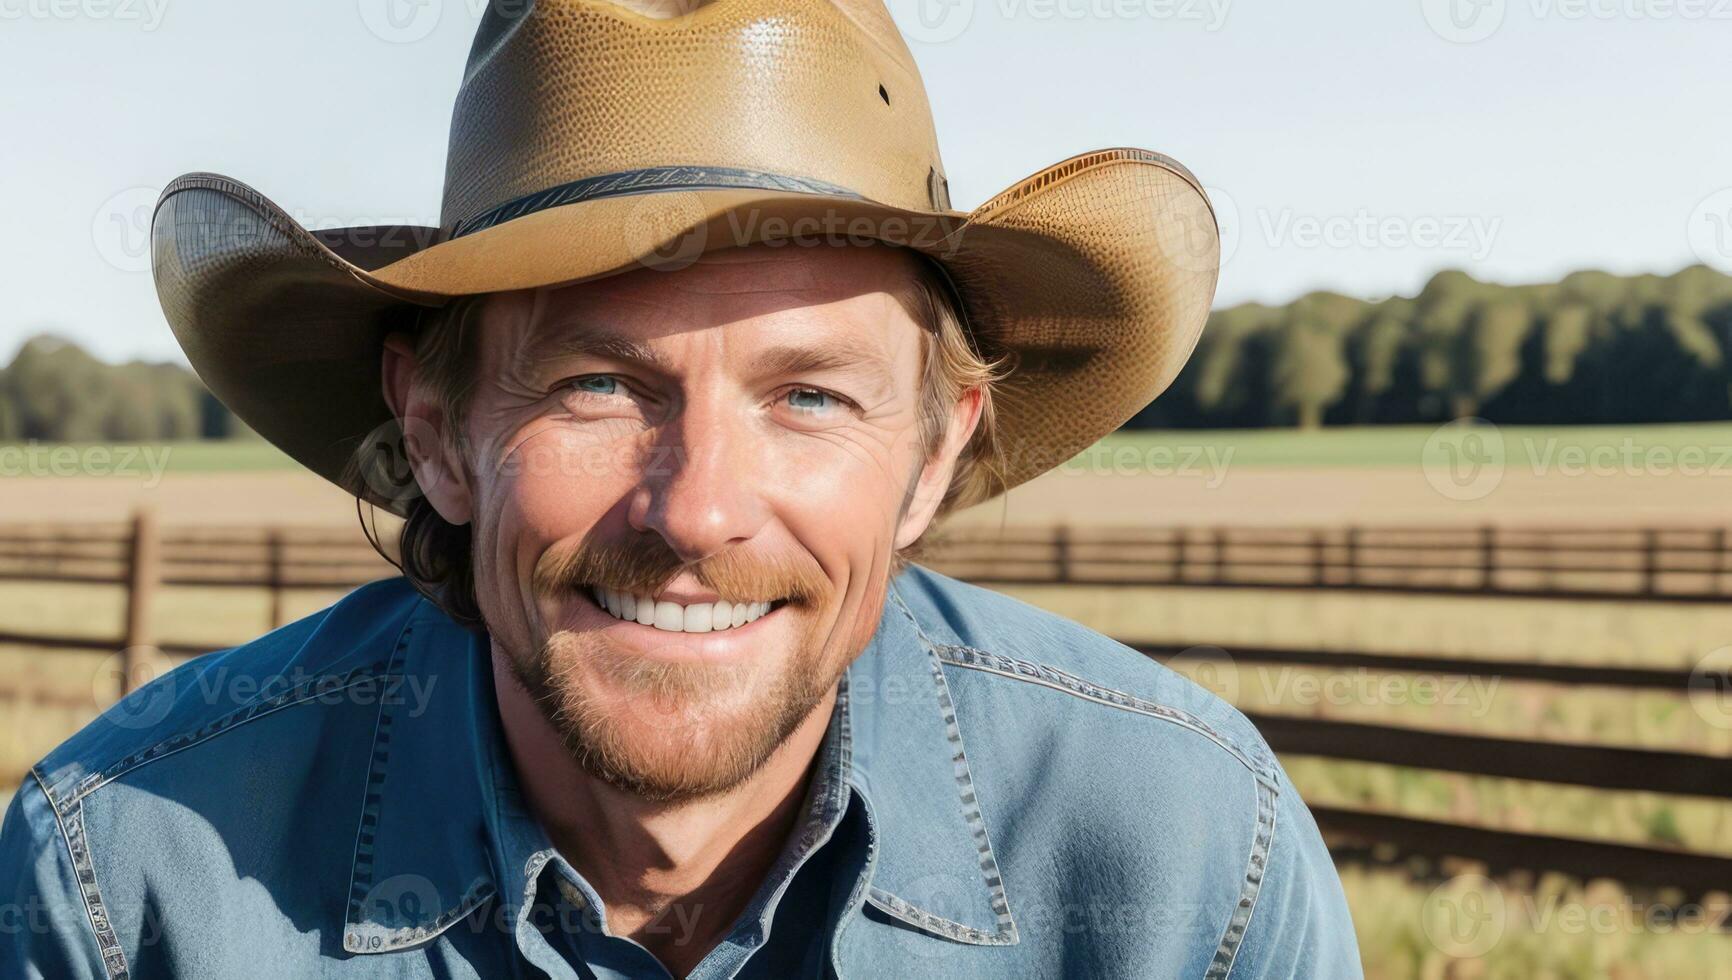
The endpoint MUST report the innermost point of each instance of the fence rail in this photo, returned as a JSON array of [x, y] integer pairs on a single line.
[[1679, 564], [1648, 564]]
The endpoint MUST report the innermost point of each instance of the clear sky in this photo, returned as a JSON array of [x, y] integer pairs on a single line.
[[1355, 145]]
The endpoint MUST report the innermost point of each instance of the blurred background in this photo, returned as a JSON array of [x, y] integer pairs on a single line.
[[1440, 501]]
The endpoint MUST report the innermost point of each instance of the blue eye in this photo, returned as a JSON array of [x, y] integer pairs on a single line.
[[597, 384], [810, 400]]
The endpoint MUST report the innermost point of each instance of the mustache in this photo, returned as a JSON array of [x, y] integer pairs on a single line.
[[645, 566]]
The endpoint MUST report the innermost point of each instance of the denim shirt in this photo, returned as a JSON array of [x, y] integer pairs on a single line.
[[1001, 793]]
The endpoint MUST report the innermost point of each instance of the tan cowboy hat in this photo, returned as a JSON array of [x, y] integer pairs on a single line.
[[592, 137]]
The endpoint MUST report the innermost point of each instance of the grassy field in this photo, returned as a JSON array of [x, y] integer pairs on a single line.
[[1362, 446], [1405, 445], [51, 462]]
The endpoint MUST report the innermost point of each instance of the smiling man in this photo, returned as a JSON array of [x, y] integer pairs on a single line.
[[696, 358]]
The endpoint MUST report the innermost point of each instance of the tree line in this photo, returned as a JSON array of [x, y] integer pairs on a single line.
[[1593, 348], [55, 391]]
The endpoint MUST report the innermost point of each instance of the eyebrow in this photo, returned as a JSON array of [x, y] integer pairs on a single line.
[[597, 343], [838, 354], [843, 353]]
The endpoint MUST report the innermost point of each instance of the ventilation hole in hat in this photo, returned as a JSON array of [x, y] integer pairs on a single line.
[[883, 95]]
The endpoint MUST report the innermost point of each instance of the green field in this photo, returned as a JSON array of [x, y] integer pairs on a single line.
[[1404, 445], [1360, 446]]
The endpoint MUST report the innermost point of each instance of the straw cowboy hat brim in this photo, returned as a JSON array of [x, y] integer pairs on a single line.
[[1095, 274]]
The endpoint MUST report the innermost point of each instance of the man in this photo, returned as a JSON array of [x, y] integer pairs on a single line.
[[696, 358]]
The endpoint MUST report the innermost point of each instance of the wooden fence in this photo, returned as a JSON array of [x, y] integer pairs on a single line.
[[1646, 564], [1683, 564]]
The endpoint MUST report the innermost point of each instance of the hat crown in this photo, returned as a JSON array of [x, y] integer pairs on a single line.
[[559, 91]]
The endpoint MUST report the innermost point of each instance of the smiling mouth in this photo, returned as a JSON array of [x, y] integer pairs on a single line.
[[672, 617]]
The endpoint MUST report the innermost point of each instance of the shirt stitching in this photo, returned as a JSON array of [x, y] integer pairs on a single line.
[[71, 827], [1262, 841], [1041, 675], [1006, 934], [305, 691]]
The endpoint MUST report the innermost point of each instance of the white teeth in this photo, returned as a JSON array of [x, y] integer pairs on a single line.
[[699, 617], [670, 616]]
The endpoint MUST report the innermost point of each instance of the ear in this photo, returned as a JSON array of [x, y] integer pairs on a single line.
[[438, 469], [935, 475]]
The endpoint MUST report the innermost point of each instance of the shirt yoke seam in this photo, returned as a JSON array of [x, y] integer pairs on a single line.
[[89, 891], [1040, 675], [1256, 867], [1260, 764], [317, 687]]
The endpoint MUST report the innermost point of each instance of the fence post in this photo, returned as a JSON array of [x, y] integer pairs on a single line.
[[1488, 558], [1719, 539], [1353, 554], [274, 573], [1220, 537], [143, 573], [1061, 551], [1650, 561], [1319, 559]]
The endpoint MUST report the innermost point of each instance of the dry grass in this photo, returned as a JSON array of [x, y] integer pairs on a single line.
[[1391, 906]]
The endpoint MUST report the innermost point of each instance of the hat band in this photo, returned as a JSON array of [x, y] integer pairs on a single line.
[[649, 180]]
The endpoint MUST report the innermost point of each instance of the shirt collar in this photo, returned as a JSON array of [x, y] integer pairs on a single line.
[[440, 827], [934, 865]]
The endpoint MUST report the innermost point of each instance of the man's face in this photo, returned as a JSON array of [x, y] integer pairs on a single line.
[[686, 490]]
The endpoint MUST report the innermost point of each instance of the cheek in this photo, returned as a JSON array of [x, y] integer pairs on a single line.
[[842, 505], [556, 482]]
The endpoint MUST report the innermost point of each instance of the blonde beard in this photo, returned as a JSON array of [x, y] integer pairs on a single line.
[[674, 732]]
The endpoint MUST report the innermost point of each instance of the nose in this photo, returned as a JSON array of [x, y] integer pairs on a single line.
[[700, 486]]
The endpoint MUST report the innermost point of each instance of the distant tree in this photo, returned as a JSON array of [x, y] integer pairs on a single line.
[[1377, 348], [55, 391], [1566, 334], [1308, 371], [1486, 353]]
